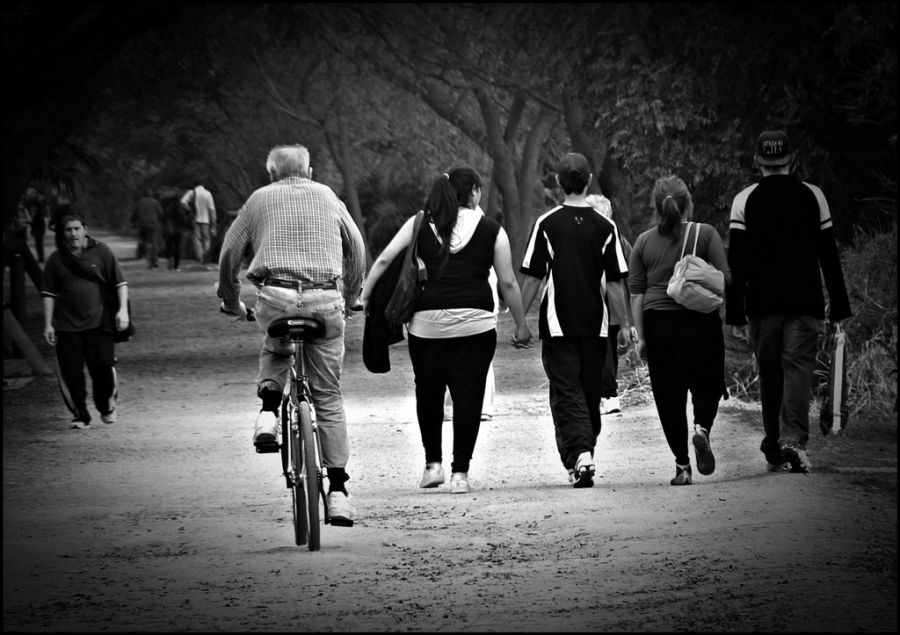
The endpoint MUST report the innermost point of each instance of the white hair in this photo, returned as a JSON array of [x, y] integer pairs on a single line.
[[599, 203], [285, 161]]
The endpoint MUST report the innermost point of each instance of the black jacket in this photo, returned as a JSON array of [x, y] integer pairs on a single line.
[[378, 333]]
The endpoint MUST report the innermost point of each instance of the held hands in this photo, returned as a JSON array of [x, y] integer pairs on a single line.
[[522, 338]]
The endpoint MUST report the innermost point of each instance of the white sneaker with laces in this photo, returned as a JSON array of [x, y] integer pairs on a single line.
[[340, 511], [433, 475], [459, 483], [268, 429]]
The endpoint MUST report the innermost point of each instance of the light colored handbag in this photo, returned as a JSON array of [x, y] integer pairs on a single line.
[[695, 284]]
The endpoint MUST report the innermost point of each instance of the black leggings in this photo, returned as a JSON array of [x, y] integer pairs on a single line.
[[460, 364], [685, 352]]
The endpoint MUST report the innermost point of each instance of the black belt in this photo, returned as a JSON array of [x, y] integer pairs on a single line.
[[299, 284]]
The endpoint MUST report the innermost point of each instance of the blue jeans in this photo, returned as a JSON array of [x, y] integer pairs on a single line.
[[785, 348], [324, 359]]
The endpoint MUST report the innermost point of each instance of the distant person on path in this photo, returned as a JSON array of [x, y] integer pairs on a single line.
[[200, 201], [37, 208], [148, 214], [309, 261], [576, 252], [685, 349], [453, 331], [76, 284], [176, 229], [618, 337], [781, 244], [62, 205]]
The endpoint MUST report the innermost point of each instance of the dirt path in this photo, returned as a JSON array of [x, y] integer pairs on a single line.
[[168, 521]]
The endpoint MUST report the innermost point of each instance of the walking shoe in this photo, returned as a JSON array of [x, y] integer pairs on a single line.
[[796, 457], [583, 475], [610, 406], [706, 462], [78, 424], [433, 475], [340, 511], [267, 432], [784, 466], [109, 417], [682, 475], [459, 483]]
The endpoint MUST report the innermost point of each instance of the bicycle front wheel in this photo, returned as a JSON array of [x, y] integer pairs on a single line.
[[297, 482], [310, 472]]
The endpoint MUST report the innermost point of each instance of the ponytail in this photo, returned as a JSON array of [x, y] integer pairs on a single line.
[[672, 201], [449, 192]]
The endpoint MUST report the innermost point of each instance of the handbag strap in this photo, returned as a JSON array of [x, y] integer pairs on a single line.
[[687, 234], [412, 252], [696, 236]]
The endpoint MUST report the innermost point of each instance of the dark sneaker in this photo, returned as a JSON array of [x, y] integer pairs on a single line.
[[682, 475], [796, 457], [706, 462], [784, 466], [109, 417], [583, 475]]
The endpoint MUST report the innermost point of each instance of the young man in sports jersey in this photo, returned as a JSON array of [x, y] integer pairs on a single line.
[[577, 254], [780, 236]]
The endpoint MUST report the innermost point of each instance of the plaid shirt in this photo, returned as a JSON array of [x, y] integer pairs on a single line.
[[299, 230]]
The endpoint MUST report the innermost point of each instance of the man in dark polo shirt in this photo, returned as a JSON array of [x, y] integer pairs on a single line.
[[77, 278], [780, 238]]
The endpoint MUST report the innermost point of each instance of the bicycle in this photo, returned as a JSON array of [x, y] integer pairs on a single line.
[[300, 445]]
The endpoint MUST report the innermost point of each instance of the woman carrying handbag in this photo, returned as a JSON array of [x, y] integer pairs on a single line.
[[684, 348], [453, 328]]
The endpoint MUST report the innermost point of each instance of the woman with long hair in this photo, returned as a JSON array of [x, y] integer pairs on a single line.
[[685, 349], [453, 331]]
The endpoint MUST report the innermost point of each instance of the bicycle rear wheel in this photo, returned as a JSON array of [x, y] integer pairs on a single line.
[[311, 474], [296, 480]]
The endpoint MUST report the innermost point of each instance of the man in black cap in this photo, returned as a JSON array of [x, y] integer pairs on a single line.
[[576, 252], [780, 237]]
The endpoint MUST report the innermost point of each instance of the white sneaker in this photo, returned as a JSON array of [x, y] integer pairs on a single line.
[[609, 406], [433, 475], [340, 511], [459, 483], [267, 432]]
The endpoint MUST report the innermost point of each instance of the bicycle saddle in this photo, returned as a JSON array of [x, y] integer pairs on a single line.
[[305, 328]]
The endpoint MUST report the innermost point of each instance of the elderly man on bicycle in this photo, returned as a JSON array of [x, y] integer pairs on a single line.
[[309, 261]]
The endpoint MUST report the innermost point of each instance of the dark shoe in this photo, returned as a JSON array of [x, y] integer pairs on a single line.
[[682, 475], [706, 462], [583, 475], [796, 457]]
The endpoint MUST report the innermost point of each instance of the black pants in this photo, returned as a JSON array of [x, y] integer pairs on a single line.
[[685, 352], [609, 386], [574, 366], [460, 364], [173, 249], [96, 349]]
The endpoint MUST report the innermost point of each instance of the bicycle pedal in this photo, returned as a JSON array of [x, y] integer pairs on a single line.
[[341, 522], [267, 448]]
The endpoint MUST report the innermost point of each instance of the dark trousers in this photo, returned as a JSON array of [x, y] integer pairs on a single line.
[[459, 364], [785, 347], [574, 366], [96, 349], [173, 249], [609, 386], [685, 352], [150, 241]]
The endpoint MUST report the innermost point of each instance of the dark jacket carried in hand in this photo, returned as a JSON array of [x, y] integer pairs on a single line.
[[379, 333]]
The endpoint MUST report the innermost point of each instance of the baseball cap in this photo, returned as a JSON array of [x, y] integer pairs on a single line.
[[573, 164], [773, 148]]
